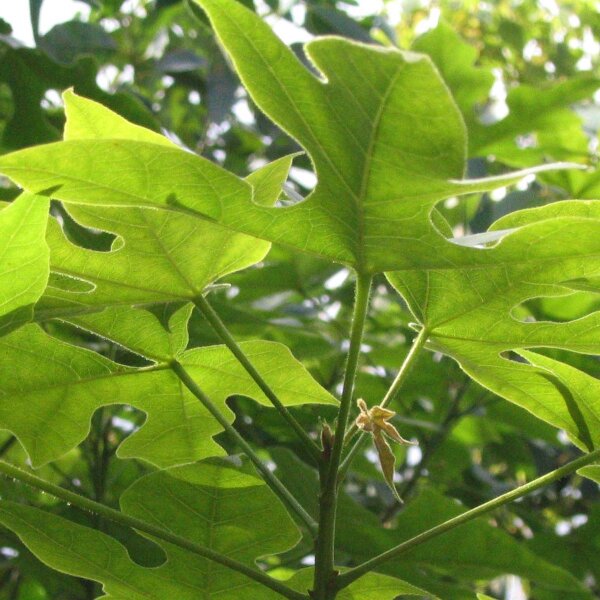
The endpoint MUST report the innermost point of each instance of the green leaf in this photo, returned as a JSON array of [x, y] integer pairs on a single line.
[[472, 314], [384, 135], [373, 586], [455, 60], [540, 124], [324, 20], [24, 258], [157, 257], [479, 550], [68, 41], [184, 255], [87, 120], [211, 503], [50, 390], [158, 333], [200, 502], [592, 472]]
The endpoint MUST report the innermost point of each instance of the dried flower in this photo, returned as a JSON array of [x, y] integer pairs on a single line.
[[374, 420]]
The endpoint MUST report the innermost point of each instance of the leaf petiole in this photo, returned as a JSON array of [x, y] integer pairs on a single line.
[[324, 551], [397, 384], [274, 483], [221, 330], [352, 575]]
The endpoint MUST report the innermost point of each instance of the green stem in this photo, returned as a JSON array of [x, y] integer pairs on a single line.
[[324, 551], [353, 574], [162, 534], [397, 384], [221, 330], [274, 483]]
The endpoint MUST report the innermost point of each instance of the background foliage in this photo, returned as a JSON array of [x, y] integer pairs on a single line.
[[524, 76]]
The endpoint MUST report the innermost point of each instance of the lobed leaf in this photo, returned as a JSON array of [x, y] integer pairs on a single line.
[[210, 503], [380, 126], [156, 257], [48, 395], [476, 550], [472, 314], [372, 586]]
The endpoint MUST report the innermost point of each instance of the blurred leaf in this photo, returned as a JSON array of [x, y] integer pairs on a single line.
[[30, 74], [323, 20], [180, 61], [593, 472], [35, 7], [68, 41]]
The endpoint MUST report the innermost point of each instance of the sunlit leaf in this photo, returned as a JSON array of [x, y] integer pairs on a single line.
[[380, 172], [24, 258], [472, 314], [48, 395]]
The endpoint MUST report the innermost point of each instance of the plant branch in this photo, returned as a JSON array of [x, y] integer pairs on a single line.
[[274, 483], [324, 551], [353, 574], [221, 330], [162, 534], [397, 384]]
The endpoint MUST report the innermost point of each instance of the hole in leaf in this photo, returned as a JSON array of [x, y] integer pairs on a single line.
[[85, 237], [67, 283], [449, 218], [528, 140], [75, 334], [513, 357], [141, 550], [557, 309]]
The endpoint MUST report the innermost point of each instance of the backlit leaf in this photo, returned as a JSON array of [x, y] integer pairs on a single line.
[[23, 258], [472, 314], [381, 170], [210, 503], [48, 395]]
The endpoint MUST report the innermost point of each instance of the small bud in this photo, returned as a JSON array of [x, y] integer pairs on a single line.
[[327, 439]]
